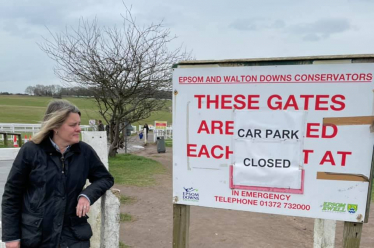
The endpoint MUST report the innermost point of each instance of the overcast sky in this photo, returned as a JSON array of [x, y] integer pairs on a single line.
[[211, 29]]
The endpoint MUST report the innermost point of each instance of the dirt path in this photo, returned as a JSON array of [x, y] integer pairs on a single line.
[[213, 228]]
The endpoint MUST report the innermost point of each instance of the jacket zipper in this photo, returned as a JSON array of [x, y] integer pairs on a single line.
[[63, 163]]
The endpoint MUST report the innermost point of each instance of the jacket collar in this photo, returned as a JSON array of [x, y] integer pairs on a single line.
[[57, 148], [48, 147]]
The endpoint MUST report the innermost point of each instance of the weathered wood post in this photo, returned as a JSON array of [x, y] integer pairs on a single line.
[[352, 234], [5, 135], [352, 230], [181, 225], [19, 141], [5, 139]]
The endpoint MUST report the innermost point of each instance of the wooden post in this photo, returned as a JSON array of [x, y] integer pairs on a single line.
[[371, 176], [5, 135], [5, 140], [352, 234], [352, 230], [324, 233], [181, 226], [19, 140]]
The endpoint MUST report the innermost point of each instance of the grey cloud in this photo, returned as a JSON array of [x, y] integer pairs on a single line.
[[17, 28], [54, 14], [278, 24], [321, 29], [162, 12], [244, 25], [311, 37], [37, 13], [256, 24]]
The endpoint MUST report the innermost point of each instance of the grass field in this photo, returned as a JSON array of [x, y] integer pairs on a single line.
[[134, 170], [30, 109], [122, 245], [169, 143], [124, 217], [127, 199]]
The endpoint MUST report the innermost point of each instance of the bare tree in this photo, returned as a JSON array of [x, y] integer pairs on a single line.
[[30, 90], [124, 67]]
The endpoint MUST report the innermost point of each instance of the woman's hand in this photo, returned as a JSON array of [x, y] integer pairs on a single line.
[[13, 244], [83, 206]]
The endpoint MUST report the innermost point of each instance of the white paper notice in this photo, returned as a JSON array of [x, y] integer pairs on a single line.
[[268, 148]]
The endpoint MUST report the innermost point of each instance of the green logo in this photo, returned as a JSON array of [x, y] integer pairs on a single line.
[[334, 207], [352, 208]]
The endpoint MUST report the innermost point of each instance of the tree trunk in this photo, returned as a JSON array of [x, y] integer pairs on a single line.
[[126, 141], [112, 151], [111, 131], [121, 142], [114, 144]]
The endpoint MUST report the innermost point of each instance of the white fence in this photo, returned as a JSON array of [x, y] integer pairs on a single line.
[[167, 134], [29, 128], [34, 128]]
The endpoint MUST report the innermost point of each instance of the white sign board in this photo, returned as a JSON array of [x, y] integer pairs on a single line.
[[254, 138]]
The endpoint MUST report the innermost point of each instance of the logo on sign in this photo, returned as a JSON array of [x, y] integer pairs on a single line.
[[352, 208], [334, 207], [190, 194]]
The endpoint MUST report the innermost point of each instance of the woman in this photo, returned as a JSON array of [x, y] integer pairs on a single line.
[[44, 203]]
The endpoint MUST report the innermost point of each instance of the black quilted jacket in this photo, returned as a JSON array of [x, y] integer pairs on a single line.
[[40, 196]]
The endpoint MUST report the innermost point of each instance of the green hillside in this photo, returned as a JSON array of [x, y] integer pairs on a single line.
[[30, 109]]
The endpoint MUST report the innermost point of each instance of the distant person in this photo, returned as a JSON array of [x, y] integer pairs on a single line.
[[146, 129], [45, 203], [101, 126]]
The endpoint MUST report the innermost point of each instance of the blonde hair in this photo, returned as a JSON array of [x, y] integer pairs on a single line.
[[56, 114]]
